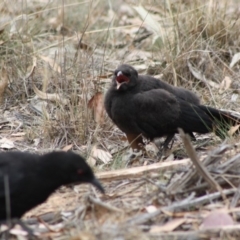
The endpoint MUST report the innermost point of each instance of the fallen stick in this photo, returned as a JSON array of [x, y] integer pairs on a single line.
[[140, 171]]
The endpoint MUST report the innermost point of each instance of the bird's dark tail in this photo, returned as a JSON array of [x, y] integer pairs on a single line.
[[222, 121]]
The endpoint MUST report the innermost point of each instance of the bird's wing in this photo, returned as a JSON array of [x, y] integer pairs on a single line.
[[159, 113], [149, 83], [156, 112]]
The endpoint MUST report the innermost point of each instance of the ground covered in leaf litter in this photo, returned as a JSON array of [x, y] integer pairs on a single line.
[[57, 63], [168, 199]]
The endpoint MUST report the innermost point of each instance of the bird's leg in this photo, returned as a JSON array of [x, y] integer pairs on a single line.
[[167, 141], [170, 137], [135, 141], [163, 148]]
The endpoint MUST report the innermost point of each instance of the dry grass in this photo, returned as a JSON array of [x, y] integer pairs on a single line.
[[57, 55]]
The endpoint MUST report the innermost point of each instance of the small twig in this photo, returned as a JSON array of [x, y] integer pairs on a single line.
[[223, 168], [197, 201], [180, 181], [161, 188], [104, 205], [186, 203], [48, 226], [47, 217], [140, 219], [216, 154]]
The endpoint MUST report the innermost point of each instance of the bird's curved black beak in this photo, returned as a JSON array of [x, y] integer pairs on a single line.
[[98, 185]]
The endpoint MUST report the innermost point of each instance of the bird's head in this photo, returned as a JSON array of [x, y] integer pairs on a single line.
[[68, 168], [125, 77]]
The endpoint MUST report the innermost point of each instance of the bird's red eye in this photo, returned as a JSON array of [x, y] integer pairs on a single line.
[[80, 171]]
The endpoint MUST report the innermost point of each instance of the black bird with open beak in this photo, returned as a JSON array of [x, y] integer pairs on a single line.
[[141, 105]]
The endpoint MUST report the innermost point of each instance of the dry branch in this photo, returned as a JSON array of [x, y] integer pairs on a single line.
[[140, 171], [199, 166]]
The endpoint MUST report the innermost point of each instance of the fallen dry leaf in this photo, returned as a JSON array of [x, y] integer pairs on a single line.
[[225, 84], [50, 96], [169, 226], [152, 149], [217, 219], [6, 143], [99, 154], [232, 130], [151, 23], [3, 83], [97, 105], [67, 148], [151, 209], [234, 97], [51, 62], [200, 76], [36, 141], [235, 59], [39, 105], [92, 160]]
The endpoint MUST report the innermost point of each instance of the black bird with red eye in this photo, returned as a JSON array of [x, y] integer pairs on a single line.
[[126, 82], [141, 105], [28, 179]]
